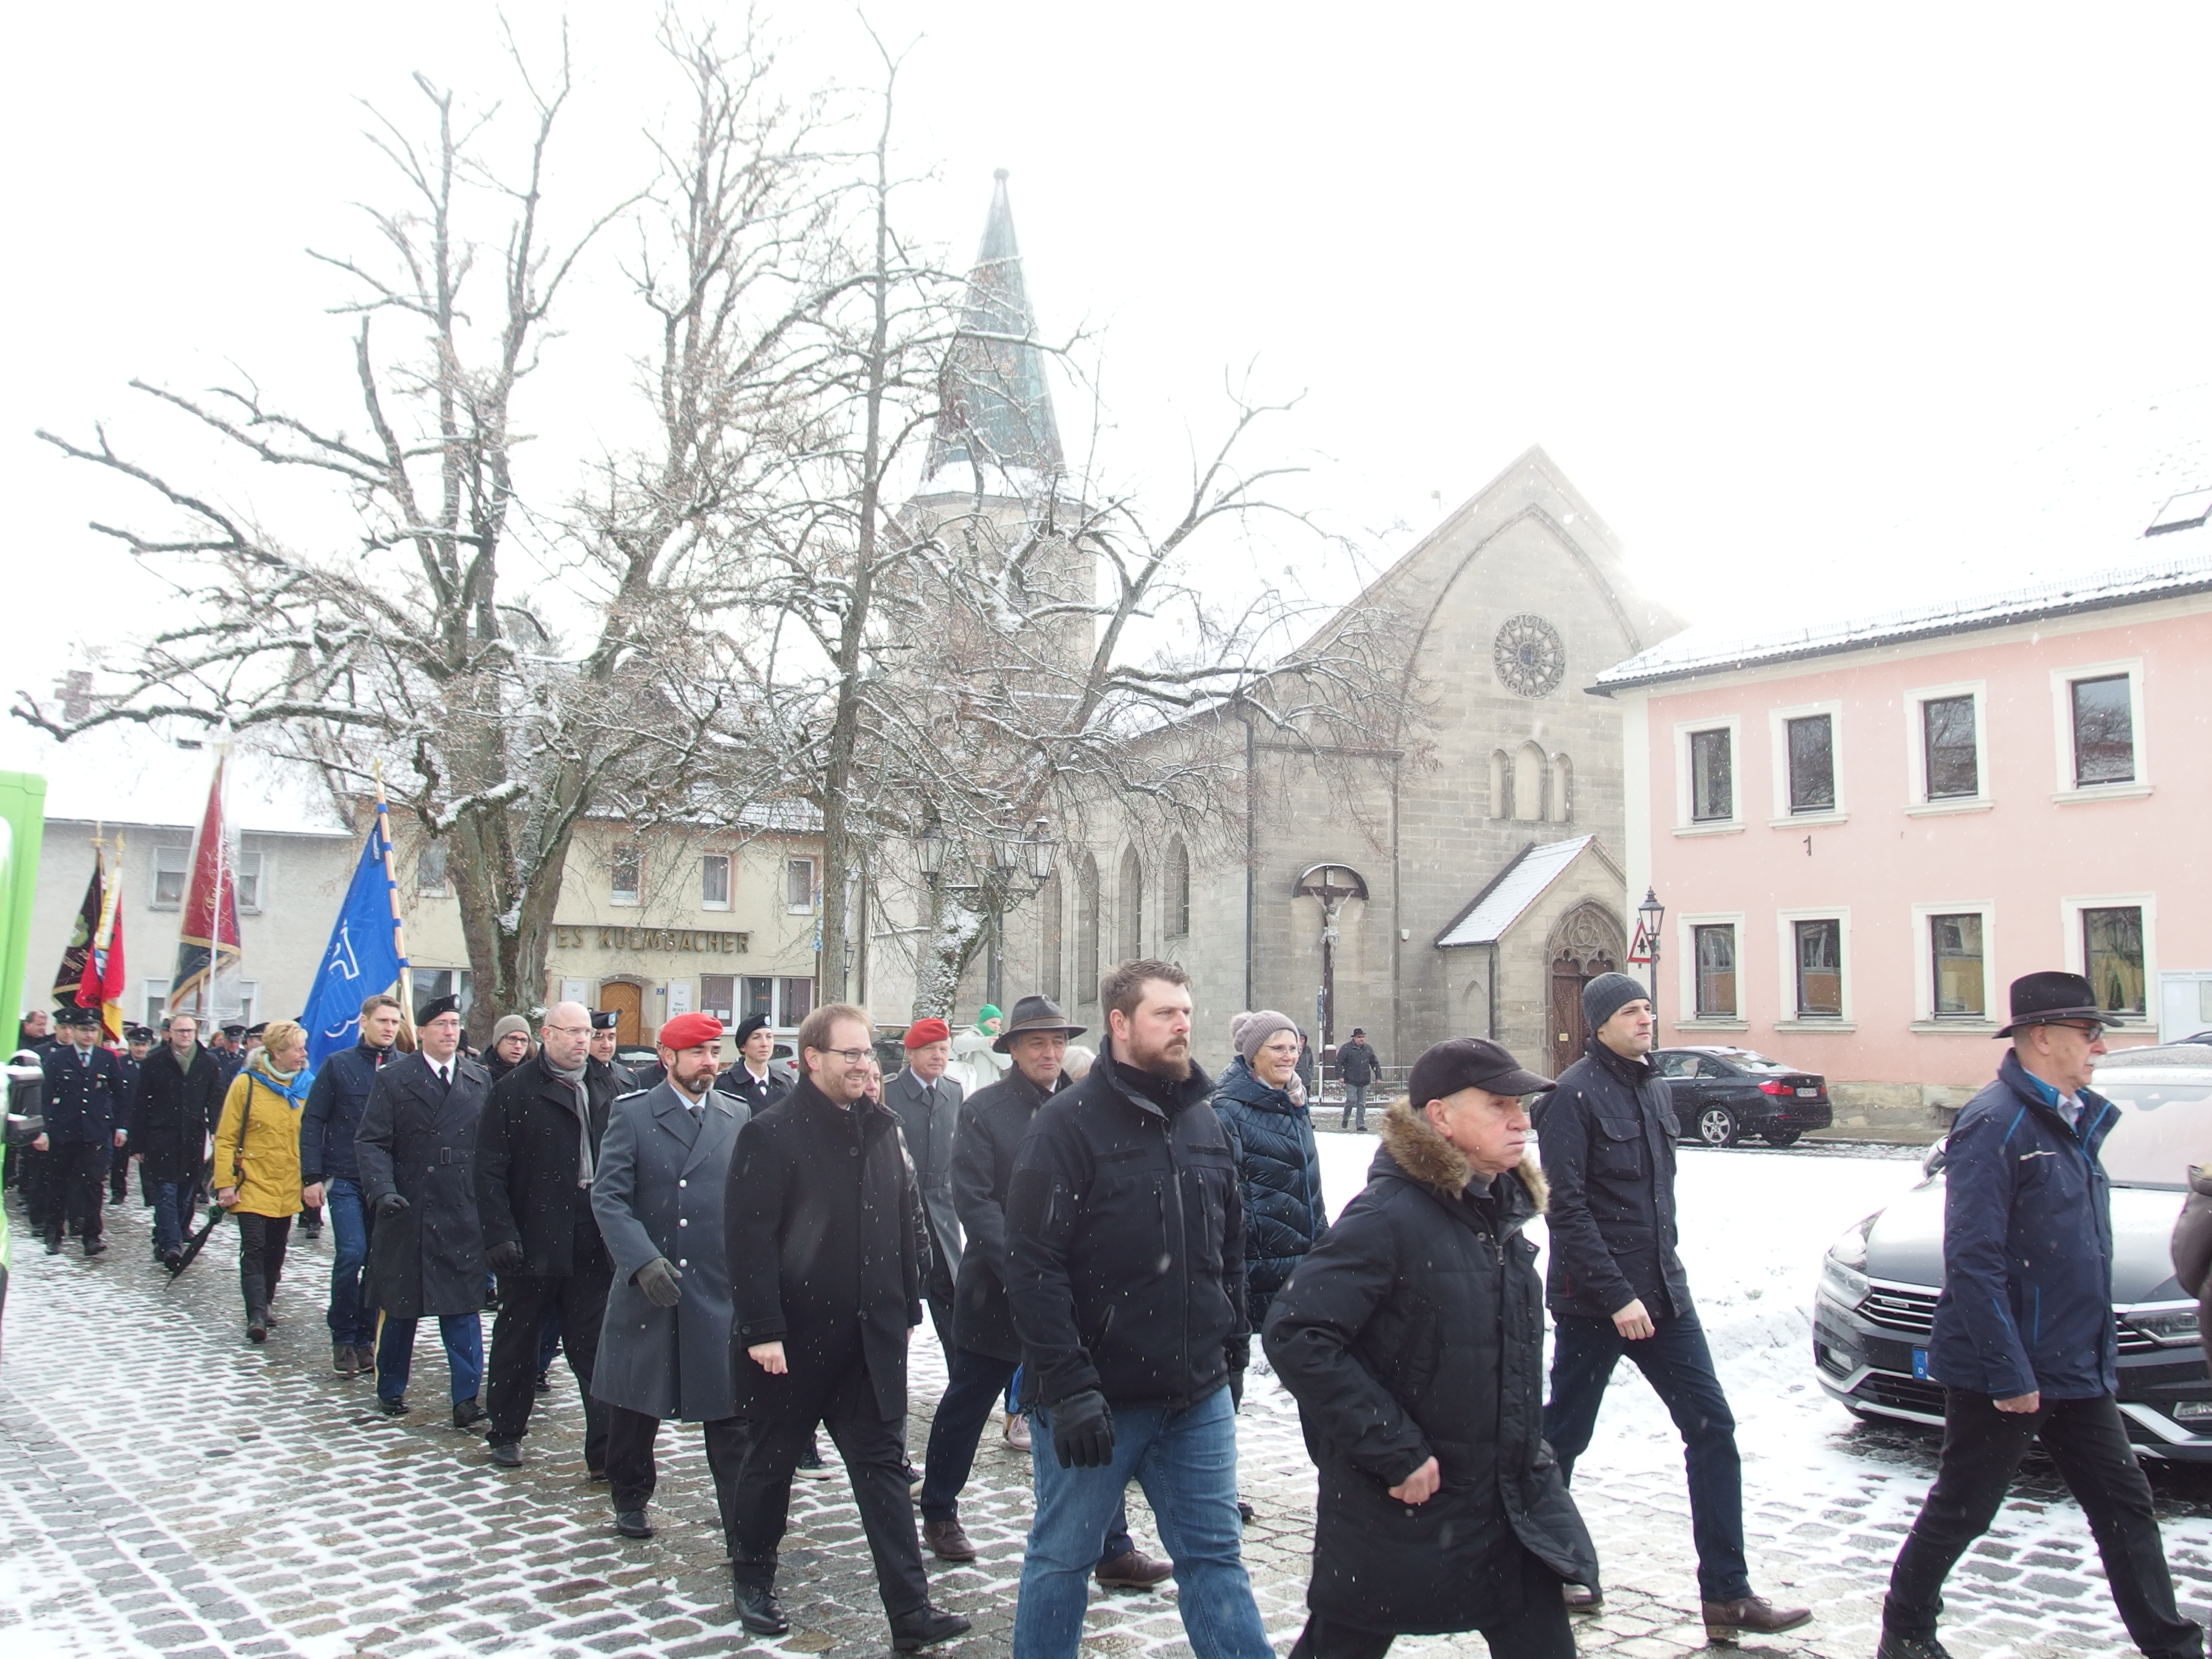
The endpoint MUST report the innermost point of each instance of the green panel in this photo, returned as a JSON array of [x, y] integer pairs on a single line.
[[23, 808]]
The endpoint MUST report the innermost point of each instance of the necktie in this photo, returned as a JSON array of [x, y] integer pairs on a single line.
[[444, 1078]]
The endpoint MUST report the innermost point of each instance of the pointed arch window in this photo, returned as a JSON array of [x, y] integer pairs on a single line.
[[1132, 941], [1086, 929], [1049, 937], [1175, 917], [1501, 784], [1559, 802], [1528, 782]]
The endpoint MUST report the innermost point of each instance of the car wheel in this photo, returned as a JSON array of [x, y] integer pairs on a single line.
[[1716, 1127], [1780, 1137]]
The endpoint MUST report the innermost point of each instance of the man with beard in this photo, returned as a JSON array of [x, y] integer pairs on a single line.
[[537, 1145], [173, 1113], [986, 1350], [417, 1140], [754, 1078], [660, 1194], [329, 1169], [1128, 1290], [827, 1250]]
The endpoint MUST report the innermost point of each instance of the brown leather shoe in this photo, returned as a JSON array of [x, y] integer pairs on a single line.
[[1583, 1598], [947, 1540], [1723, 1619], [1134, 1571]]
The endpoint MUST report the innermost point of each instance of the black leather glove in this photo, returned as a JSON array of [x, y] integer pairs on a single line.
[[658, 1279], [1237, 1351], [505, 1258], [389, 1205], [1083, 1430]]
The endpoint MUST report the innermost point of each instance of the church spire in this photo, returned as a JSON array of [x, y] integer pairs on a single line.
[[997, 414]]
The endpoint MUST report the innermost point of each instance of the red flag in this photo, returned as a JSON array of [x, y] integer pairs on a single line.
[[207, 933], [102, 985], [77, 955]]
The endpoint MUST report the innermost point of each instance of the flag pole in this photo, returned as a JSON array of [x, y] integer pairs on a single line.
[[398, 927]]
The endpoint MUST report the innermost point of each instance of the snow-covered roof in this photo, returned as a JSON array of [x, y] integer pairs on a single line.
[[135, 776], [2110, 513], [1517, 887], [1705, 649]]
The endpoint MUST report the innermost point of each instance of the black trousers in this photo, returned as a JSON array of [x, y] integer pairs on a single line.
[[76, 1173], [632, 1474], [2088, 1439], [118, 1175], [875, 1459], [580, 1298], [1538, 1631], [261, 1242]]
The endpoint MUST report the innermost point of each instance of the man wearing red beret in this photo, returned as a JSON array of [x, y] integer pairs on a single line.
[[928, 1105]]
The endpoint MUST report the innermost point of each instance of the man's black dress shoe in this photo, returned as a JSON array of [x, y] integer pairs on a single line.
[[926, 1627], [759, 1612], [631, 1523]]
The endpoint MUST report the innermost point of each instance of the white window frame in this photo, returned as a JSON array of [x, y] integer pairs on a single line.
[[2068, 792], [729, 873], [813, 884], [1925, 1017], [1916, 803], [1785, 933], [261, 868], [1684, 796], [249, 1001], [1777, 737], [183, 870], [2070, 919], [1685, 961], [156, 999], [444, 885], [635, 897]]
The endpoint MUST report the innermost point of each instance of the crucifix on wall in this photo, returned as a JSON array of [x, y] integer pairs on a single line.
[[1330, 885]]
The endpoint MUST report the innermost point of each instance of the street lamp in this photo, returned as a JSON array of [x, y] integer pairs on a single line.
[[1648, 915], [1040, 847], [929, 850]]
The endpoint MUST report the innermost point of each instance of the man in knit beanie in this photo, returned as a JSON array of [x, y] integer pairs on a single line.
[[1616, 1286]]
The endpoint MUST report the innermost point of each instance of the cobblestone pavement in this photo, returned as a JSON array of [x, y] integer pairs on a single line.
[[170, 1489]]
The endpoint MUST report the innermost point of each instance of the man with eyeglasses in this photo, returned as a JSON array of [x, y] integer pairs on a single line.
[[828, 1253], [537, 1146], [2023, 1342]]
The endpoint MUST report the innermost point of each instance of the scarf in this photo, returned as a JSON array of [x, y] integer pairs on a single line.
[[575, 1081], [292, 1085]]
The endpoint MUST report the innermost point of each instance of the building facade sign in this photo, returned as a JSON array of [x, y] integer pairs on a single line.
[[568, 936]]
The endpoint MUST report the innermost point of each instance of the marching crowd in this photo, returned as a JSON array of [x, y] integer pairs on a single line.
[[1097, 1241]]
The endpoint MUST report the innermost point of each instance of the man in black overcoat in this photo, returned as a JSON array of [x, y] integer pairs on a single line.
[[537, 1145], [1412, 1339], [85, 1111], [828, 1253], [173, 1112], [415, 1152]]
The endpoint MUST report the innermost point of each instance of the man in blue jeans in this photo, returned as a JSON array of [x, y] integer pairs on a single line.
[[1616, 1286], [1130, 1308], [328, 1170]]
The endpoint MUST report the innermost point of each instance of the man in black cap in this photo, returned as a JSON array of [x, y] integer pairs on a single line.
[[86, 1110], [2023, 1341], [138, 1042], [1616, 1286], [227, 1045], [1356, 1063], [604, 1041], [754, 1078], [1440, 1507]]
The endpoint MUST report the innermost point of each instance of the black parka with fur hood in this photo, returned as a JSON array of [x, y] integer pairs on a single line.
[[1416, 1329]]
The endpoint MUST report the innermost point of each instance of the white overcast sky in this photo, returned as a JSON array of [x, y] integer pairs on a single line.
[[1767, 281]]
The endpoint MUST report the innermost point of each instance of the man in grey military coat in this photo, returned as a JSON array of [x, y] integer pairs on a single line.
[[928, 1105], [664, 1348]]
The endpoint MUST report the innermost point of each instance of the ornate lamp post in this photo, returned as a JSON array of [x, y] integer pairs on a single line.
[[1649, 916], [1012, 868]]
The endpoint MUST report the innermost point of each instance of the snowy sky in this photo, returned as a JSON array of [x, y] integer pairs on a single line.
[[1767, 281]]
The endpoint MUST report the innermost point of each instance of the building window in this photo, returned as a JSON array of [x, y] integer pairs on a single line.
[[796, 998], [1712, 783], [715, 882], [1955, 966], [717, 996], [430, 867], [248, 876], [1812, 764], [1501, 784], [170, 863], [1715, 949], [2112, 958], [249, 1001], [798, 885], [1561, 809], [1133, 905], [628, 885], [2103, 732], [1086, 930], [157, 1001], [431, 983], [1948, 749], [1049, 936], [1176, 920], [759, 1000], [1819, 958], [1528, 782]]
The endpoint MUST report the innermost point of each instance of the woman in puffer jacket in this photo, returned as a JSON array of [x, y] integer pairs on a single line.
[[257, 1164], [1280, 1170]]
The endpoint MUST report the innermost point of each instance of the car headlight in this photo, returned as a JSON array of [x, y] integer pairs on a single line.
[[1852, 1249], [2170, 1325], [1843, 1282]]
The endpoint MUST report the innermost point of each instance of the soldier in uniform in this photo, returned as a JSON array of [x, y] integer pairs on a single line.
[[138, 1041], [85, 1108], [604, 1041]]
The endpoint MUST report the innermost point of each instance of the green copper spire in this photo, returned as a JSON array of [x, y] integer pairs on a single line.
[[997, 416]]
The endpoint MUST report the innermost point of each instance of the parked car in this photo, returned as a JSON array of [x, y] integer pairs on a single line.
[[1879, 1284], [1722, 1095]]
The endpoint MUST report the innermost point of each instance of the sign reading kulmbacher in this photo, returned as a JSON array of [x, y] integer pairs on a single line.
[[569, 936]]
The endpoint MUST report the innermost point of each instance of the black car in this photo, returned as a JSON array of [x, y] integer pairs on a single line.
[[1722, 1095], [1879, 1284]]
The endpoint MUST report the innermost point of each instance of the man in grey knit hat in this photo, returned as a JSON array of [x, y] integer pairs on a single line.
[[1616, 1286]]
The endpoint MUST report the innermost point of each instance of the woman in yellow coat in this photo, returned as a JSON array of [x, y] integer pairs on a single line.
[[257, 1164]]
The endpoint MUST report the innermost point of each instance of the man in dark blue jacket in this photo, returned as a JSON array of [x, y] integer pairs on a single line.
[[327, 1128], [2023, 1342], [85, 1112]]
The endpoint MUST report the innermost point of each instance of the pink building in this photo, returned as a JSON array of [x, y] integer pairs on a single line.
[[1864, 832]]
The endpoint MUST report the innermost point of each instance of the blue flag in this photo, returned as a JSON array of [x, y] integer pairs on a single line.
[[363, 958]]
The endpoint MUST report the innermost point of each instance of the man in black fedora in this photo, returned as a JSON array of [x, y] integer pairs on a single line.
[[2023, 1341]]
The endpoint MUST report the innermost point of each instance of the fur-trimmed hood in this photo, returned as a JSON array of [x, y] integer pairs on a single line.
[[1424, 1156]]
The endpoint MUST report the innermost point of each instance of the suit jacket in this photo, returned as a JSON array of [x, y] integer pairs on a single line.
[[737, 1083], [529, 1162], [929, 1114], [84, 1098], [420, 1140], [663, 1178], [827, 1248]]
